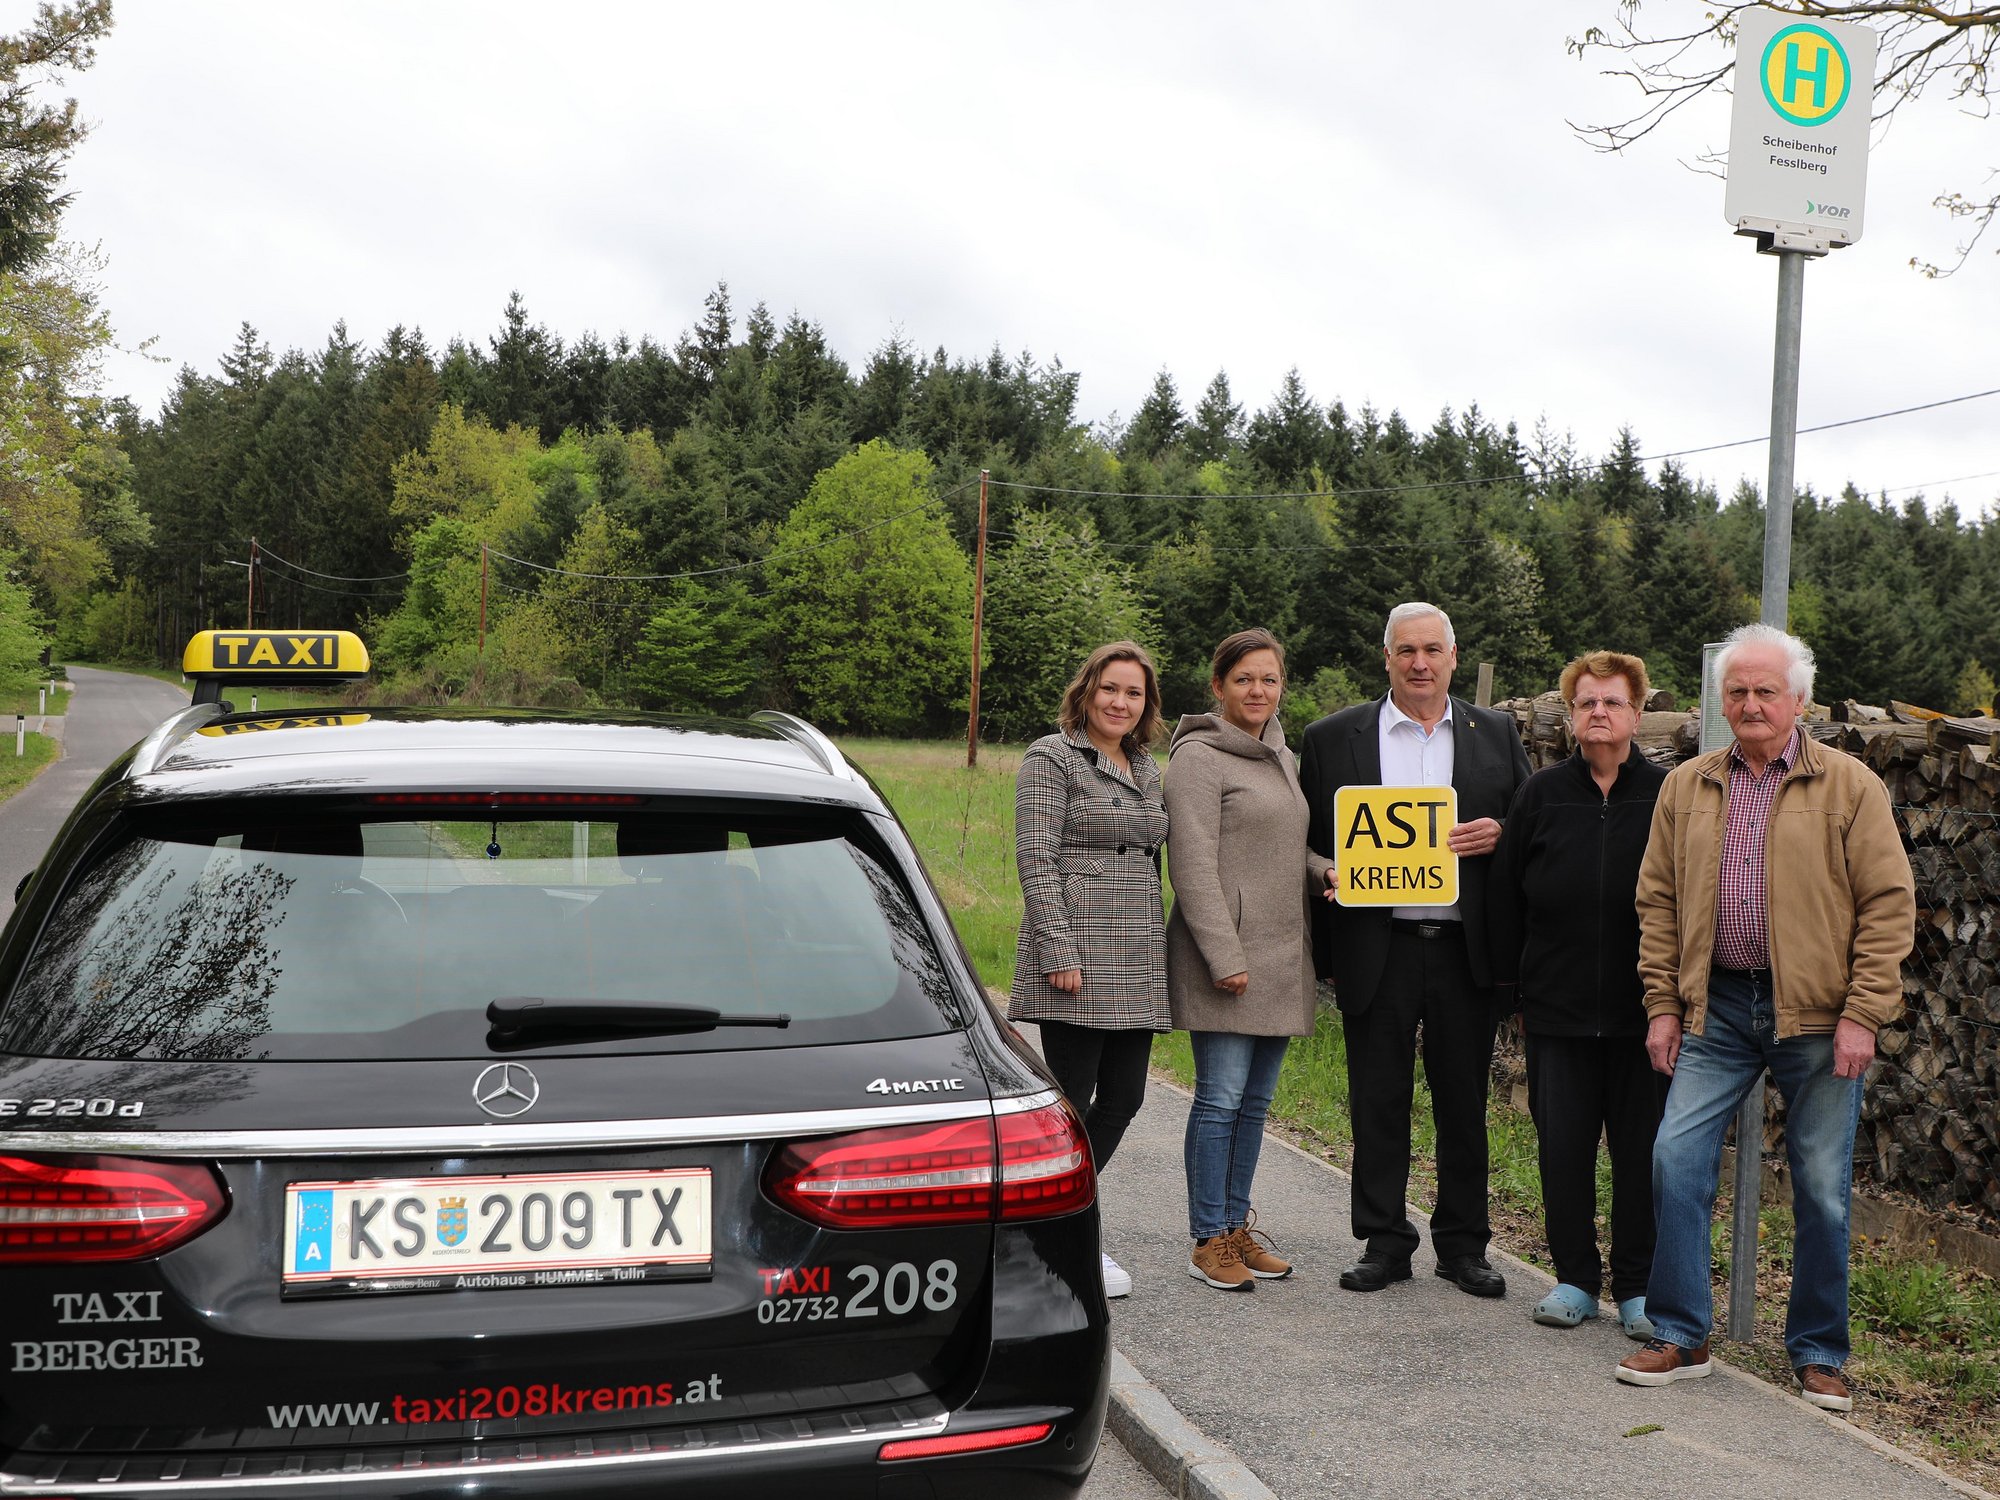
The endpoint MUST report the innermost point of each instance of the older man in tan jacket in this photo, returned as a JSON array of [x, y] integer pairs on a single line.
[[1776, 907]]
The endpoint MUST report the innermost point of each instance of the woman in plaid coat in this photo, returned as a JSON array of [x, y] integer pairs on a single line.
[[1091, 966]]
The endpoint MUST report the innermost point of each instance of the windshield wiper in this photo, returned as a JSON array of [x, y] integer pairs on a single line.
[[512, 1015]]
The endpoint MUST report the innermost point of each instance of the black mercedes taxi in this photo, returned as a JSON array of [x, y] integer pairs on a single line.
[[477, 1103]]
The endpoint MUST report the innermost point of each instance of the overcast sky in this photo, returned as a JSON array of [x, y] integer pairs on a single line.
[[1385, 196]]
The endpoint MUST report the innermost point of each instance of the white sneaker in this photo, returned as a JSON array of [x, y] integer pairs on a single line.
[[1117, 1280]]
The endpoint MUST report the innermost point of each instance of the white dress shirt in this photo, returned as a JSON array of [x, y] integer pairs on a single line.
[[1413, 757]]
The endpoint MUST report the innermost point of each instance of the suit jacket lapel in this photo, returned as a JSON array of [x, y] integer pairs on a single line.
[[1464, 743], [1368, 748]]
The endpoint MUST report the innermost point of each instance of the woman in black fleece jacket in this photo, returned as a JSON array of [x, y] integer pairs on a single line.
[[1566, 933]]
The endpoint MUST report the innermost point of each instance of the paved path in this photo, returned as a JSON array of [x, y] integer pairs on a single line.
[[1421, 1390], [109, 712]]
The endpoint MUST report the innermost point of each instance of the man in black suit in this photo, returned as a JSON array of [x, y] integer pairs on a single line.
[[1396, 969]]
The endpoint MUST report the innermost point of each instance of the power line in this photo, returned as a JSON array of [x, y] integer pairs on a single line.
[[265, 554], [1476, 481], [756, 562], [1930, 483], [1437, 544]]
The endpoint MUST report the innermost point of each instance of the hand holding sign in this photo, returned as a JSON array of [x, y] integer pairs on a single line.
[[1400, 846], [1480, 836]]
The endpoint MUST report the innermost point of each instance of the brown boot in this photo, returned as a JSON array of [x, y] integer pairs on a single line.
[[1262, 1262], [1217, 1263]]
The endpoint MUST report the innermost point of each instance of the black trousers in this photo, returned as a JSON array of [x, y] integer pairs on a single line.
[[1426, 986], [1103, 1075], [1581, 1087]]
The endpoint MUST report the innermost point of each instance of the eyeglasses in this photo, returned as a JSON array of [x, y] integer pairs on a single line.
[[1592, 705]]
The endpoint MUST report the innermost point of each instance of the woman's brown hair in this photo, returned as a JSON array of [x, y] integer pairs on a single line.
[[1235, 647], [1607, 664], [1085, 682]]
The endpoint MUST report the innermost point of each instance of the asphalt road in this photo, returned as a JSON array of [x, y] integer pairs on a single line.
[[109, 712]]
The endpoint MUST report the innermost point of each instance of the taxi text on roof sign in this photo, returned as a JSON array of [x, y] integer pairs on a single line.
[[275, 653], [290, 721], [1390, 845]]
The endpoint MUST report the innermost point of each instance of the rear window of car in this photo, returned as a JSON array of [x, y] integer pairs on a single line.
[[279, 931]]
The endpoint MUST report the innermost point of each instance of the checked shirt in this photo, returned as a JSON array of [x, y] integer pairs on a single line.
[[1742, 916]]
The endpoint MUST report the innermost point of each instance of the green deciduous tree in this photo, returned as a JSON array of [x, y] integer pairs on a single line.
[[22, 630], [871, 597]]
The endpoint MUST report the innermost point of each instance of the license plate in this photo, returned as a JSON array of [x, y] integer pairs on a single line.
[[446, 1234]]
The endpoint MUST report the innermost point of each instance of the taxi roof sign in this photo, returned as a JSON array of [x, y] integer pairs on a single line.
[[273, 657]]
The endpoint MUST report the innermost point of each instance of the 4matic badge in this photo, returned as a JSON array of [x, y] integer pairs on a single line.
[[916, 1086]]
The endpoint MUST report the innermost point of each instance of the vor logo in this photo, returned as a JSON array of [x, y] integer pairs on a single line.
[[1805, 75], [1827, 210]]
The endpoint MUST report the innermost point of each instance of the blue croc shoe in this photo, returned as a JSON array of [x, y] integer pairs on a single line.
[[1565, 1307], [1632, 1318]]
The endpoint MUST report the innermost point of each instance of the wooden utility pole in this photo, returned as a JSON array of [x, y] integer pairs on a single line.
[[978, 614], [250, 598], [482, 598]]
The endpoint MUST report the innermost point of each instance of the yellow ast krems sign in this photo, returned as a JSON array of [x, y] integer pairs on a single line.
[[1390, 845]]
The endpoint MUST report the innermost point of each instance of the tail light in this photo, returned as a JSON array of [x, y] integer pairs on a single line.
[[1045, 1168], [1030, 1165], [77, 1208]]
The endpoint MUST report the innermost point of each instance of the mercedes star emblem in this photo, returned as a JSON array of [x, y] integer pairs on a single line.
[[505, 1090]]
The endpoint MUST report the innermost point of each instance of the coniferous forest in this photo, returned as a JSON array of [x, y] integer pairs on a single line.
[[741, 519]]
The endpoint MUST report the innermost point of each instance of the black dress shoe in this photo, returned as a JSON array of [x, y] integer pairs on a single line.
[[1471, 1273], [1373, 1272]]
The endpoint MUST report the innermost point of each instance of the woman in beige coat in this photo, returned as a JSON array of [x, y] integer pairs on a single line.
[[1239, 950]]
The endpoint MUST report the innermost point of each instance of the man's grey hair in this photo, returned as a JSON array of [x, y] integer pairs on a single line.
[[1414, 610], [1798, 655]]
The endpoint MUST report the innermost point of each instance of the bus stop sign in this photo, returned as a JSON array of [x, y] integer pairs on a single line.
[[1798, 132]]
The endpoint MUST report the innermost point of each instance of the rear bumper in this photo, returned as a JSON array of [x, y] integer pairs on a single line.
[[1048, 1360], [835, 1456]]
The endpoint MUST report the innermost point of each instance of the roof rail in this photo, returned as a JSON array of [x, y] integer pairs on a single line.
[[154, 747], [818, 745]]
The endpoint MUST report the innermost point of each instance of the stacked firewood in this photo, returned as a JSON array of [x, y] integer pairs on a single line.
[[1931, 1114], [1931, 1110]]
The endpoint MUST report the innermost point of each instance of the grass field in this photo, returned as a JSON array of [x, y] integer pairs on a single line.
[[962, 821], [17, 771], [29, 701]]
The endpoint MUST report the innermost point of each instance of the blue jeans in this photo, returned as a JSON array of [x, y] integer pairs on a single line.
[[1715, 1071], [1234, 1078]]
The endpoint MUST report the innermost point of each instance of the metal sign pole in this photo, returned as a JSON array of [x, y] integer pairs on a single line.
[[1776, 611]]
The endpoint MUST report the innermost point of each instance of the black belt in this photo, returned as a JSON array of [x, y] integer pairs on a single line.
[[1761, 976], [1422, 929]]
